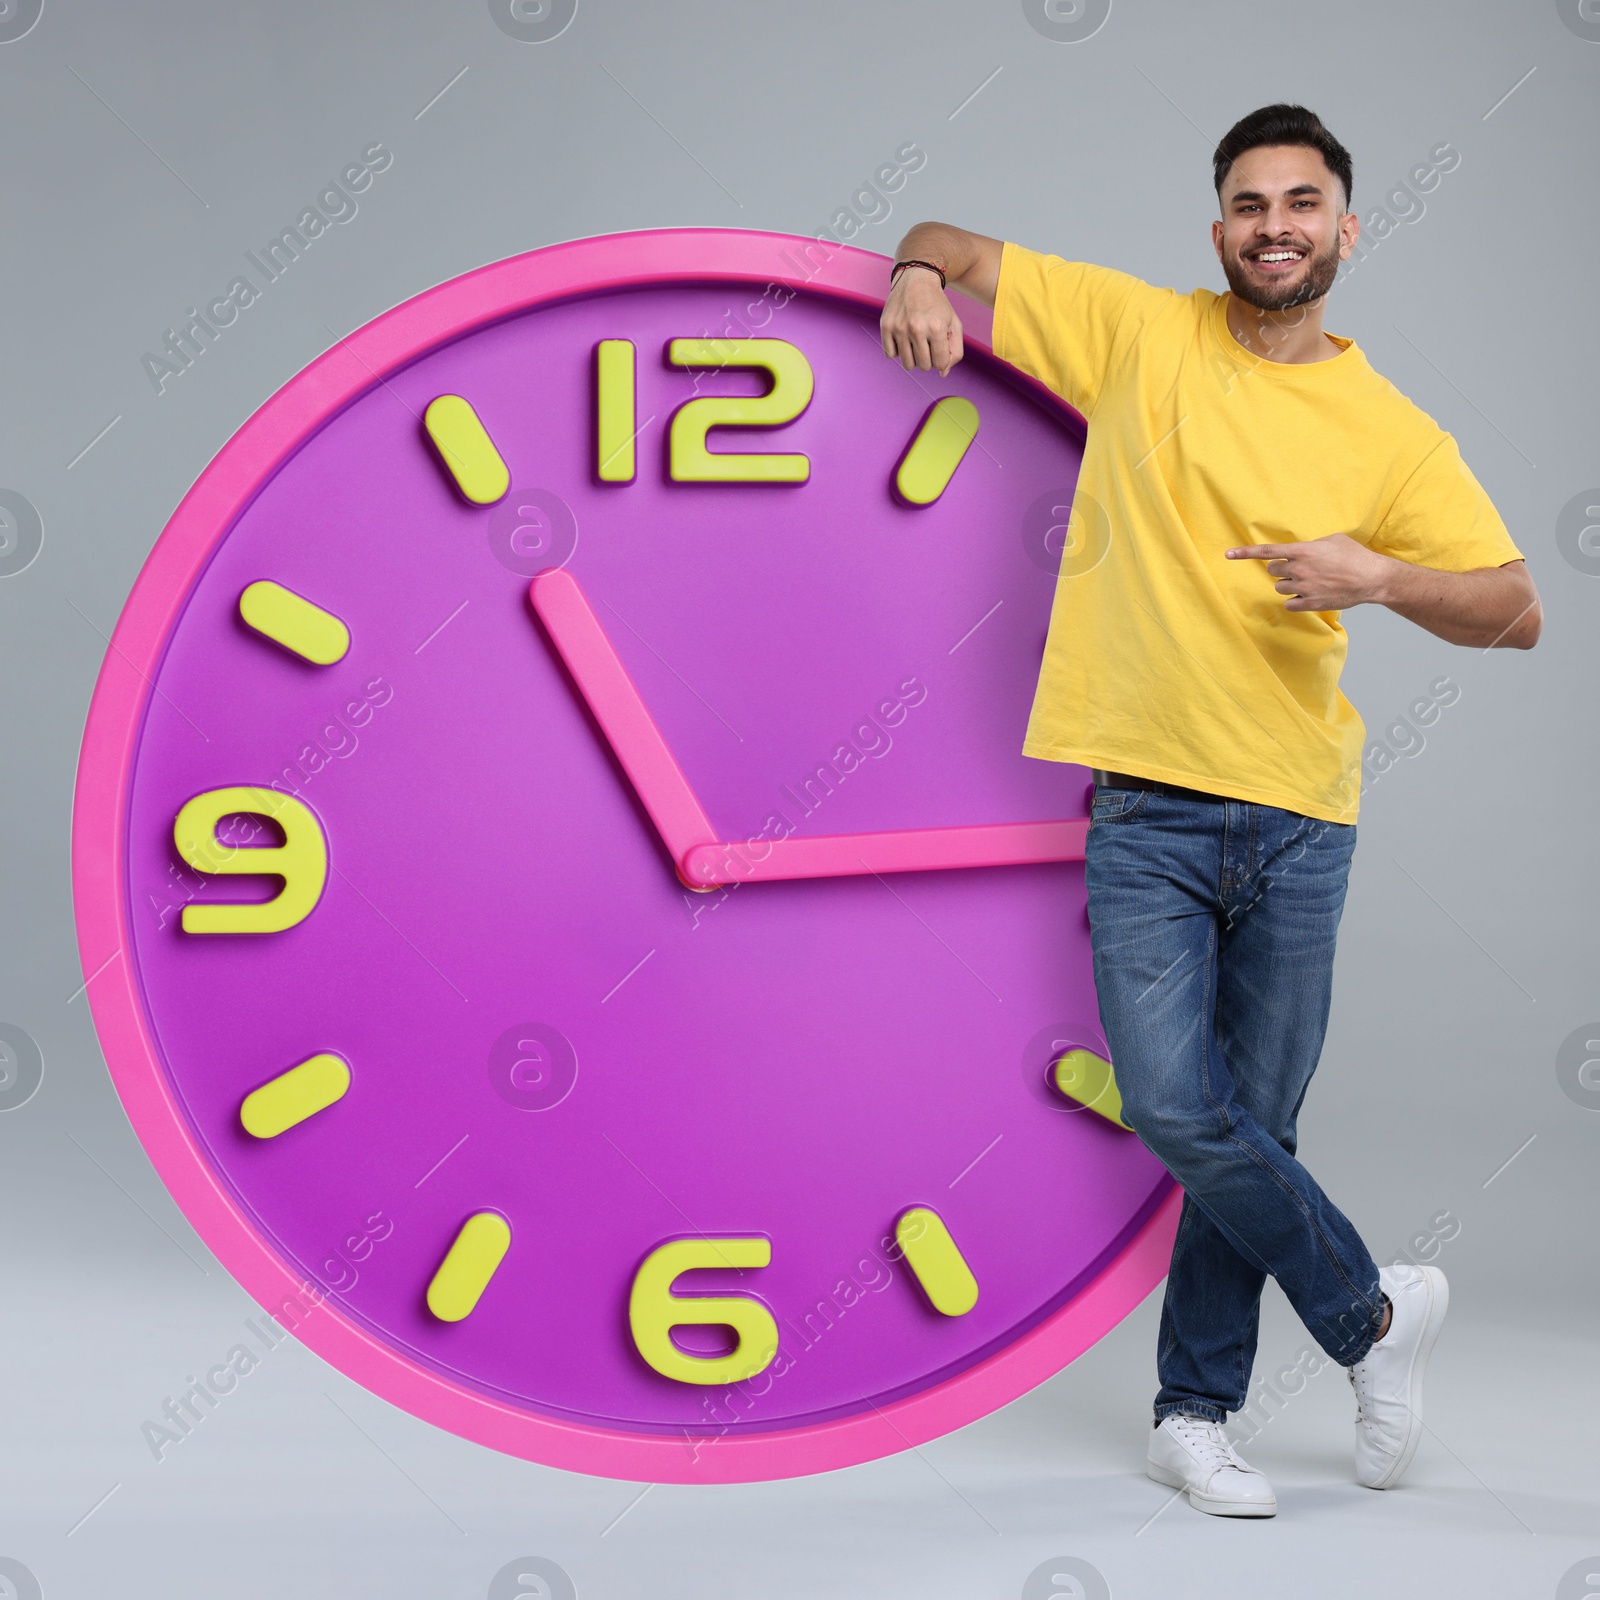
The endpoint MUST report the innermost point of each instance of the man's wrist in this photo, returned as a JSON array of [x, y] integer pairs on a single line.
[[1389, 580], [916, 264]]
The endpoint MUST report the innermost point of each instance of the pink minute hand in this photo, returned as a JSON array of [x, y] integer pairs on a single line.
[[989, 844], [702, 859]]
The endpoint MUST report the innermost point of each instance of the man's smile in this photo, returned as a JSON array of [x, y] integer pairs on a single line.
[[1277, 259]]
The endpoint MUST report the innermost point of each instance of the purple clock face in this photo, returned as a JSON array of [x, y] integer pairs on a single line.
[[539, 1019]]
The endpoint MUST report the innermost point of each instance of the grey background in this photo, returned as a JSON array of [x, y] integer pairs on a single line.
[[146, 148]]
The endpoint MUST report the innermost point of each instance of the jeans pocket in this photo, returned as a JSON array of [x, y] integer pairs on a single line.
[[1116, 805]]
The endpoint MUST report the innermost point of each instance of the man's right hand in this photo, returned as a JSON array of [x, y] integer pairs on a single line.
[[920, 327]]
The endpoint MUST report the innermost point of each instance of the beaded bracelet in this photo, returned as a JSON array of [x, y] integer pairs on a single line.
[[900, 266]]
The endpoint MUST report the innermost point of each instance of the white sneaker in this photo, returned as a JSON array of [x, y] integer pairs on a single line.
[[1388, 1379], [1191, 1453]]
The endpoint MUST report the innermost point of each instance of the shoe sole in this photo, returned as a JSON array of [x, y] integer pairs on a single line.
[[1209, 1503], [1438, 1304]]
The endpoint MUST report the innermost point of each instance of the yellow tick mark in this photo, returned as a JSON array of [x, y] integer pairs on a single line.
[[934, 454], [291, 620], [939, 1266], [479, 1249], [294, 1095], [467, 450], [1083, 1076]]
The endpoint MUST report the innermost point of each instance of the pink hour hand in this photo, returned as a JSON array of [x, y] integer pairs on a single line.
[[701, 859], [606, 687]]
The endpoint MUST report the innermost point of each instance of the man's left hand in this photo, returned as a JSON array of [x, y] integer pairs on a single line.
[[1329, 574]]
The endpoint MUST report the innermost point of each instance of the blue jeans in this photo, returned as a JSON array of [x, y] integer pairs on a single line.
[[1213, 927]]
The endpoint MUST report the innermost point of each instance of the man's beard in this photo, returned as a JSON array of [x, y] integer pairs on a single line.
[[1316, 281]]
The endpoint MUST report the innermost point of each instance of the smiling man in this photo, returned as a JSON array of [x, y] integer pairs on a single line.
[[1247, 477]]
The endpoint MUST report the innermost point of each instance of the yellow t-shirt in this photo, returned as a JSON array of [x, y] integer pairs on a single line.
[[1164, 658]]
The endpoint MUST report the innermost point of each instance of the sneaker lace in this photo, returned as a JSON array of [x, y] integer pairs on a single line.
[[1366, 1412], [1360, 1381], [1208, 1442]]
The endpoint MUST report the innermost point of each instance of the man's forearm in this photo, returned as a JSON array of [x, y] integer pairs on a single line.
[[1485, 607], [953, 250]]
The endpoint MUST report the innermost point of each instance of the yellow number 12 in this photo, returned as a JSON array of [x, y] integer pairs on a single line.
[[790, 394]]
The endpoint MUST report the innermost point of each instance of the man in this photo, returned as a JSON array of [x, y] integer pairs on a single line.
[[1247, 477]]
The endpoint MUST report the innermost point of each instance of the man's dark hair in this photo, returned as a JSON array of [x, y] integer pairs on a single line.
[[1281, 124]]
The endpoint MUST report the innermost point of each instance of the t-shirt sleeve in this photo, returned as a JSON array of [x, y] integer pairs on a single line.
[[1442, 518], [1058, 320]]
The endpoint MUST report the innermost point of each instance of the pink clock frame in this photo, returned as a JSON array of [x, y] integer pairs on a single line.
[[203, 519]]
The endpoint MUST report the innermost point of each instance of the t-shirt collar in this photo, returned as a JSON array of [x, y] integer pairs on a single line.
[[1239, 352]]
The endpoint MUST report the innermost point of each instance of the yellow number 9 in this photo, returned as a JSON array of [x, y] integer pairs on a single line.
[[654, 1311], [301, 860]]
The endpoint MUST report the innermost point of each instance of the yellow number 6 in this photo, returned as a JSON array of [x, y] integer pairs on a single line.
[[301, 860], [654, 1311]]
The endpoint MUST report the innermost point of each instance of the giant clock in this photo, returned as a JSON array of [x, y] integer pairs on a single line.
[[563, 903]]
